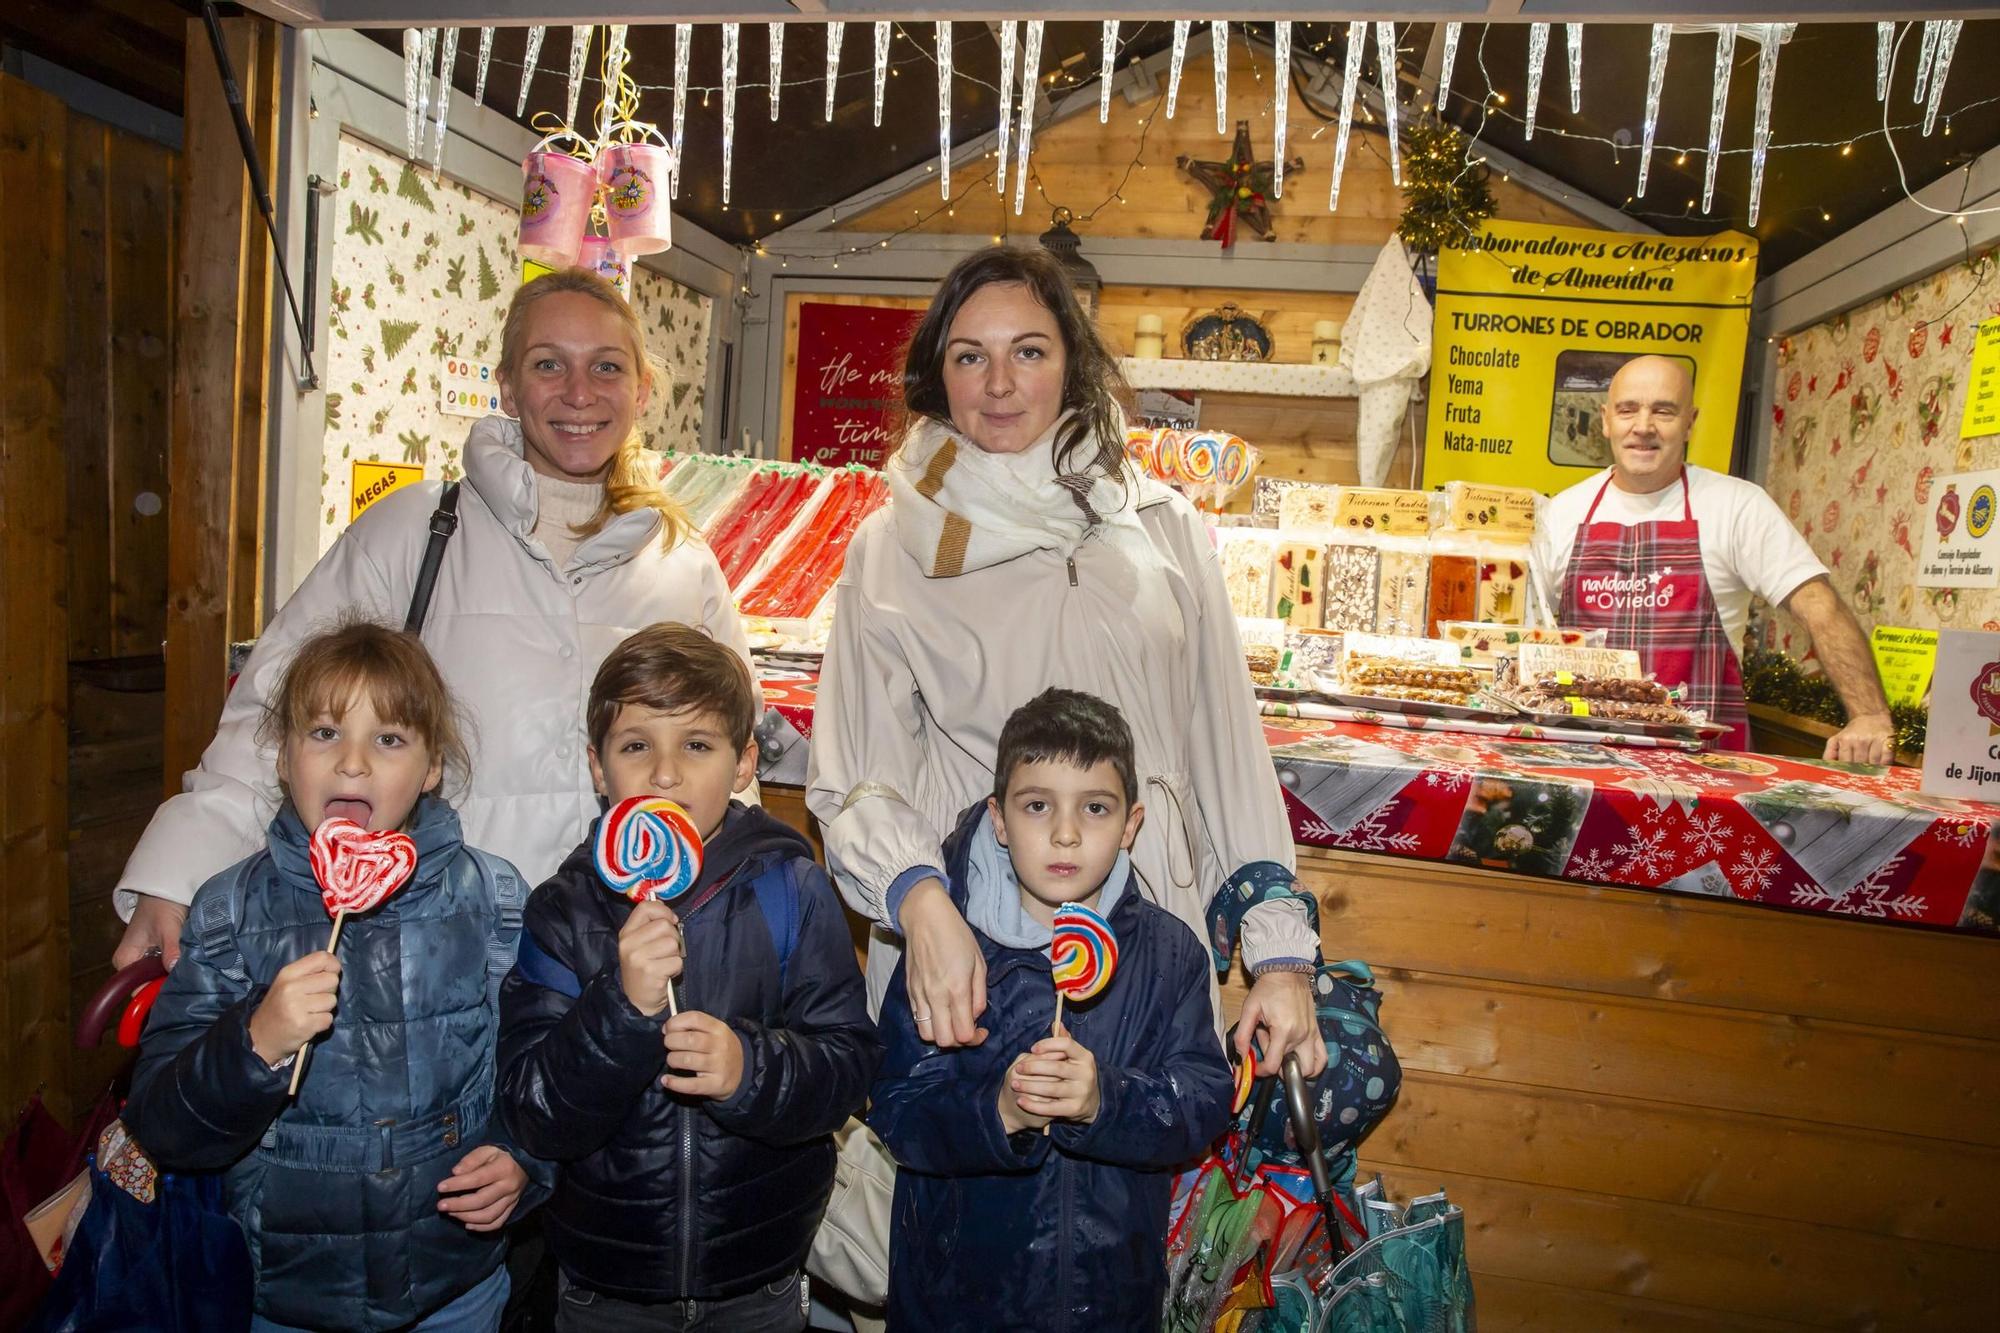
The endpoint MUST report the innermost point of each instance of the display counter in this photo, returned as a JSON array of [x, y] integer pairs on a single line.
[[1660, 1109], [1851, 840]]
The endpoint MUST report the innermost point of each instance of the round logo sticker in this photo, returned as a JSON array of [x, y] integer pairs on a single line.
[[1986, 693], [1979, 517]]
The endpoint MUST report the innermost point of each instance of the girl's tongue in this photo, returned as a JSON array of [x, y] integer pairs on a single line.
[[350, 808]]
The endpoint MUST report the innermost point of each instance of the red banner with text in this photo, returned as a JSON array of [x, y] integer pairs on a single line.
[[847, 390]]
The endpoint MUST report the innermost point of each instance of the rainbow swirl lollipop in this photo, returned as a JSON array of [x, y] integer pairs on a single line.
[[1234, 465], [647, 847], [1084, 952], [1200, 455]]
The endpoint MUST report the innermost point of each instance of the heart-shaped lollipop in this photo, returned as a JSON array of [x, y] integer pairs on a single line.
[[647, 847], [356, 871]]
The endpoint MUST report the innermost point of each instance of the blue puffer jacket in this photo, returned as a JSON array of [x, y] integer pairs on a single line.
[[665, 1197], [1064, 1231], [337, 1191]]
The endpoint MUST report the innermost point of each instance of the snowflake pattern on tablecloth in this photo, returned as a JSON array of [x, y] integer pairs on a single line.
[[1646, 854], [1370, 833], [1754, 870], [1706, 835], [1592, 865], [1449, 778], [1317, 832], [1679, 768], [1869, 898], [1961, 833]]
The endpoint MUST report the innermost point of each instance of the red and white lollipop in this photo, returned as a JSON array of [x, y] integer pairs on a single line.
[[357, 870]]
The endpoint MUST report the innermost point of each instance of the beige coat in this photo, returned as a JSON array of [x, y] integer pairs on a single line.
[[517, 638], [922, 672]]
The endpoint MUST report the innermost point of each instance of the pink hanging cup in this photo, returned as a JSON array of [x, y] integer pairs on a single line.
[[600, 256], [637, 180], [556, 190]]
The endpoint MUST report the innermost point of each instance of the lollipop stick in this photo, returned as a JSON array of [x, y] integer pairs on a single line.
[[673, 1000], [1055, 1028], [299, 1065]]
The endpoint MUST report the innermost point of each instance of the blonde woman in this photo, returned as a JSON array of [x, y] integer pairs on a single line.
[[564, 546]]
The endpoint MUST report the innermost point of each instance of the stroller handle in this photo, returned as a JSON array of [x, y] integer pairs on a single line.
[[105, 1007]]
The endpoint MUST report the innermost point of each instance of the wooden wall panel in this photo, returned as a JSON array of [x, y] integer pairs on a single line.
[[141, 235], [213, 266], [87, 400], [34, 628]]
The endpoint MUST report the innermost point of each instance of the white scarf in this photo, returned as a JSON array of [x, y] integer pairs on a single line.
[[957, 507]]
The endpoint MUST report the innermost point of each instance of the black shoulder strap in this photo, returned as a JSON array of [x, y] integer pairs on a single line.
[[444, 522]]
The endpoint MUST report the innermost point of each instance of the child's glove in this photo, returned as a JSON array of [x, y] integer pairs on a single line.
[[704, 1056], [649, 955], [298, 1007], [483, 1189], [1056, 1080]]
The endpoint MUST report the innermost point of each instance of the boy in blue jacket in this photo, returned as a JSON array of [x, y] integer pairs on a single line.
[[1036, 1168], [694, 1152]]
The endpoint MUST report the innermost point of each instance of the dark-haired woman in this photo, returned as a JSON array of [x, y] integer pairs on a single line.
[[1020, 551]]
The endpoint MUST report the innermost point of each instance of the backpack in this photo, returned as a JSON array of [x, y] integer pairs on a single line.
[[217, 916]]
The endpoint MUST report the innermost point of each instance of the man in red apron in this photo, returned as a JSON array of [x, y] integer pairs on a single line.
[[1665, 557]]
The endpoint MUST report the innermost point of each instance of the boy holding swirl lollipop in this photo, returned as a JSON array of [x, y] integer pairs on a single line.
[[684, 1063], [1036, 1167]]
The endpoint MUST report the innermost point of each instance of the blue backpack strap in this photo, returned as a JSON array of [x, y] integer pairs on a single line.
[[510, 899], [215, 922], [778, 891], [539, 966]]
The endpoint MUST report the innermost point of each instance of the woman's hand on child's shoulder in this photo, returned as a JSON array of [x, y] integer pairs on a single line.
[[483, 1189], [649, 955], [1057, 1080], [704, 1056], [298, 1007]]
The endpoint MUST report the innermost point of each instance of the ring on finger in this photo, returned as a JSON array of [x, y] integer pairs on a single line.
[[923, 1018]]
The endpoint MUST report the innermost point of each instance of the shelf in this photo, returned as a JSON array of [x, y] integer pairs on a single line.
[[1293, 381]]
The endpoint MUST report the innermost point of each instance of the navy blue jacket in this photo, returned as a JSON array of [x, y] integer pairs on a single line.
[[1064, 1231], [659, 1196], [337, 1191]]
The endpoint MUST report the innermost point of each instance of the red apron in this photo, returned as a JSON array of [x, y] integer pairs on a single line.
[[1644, 583]]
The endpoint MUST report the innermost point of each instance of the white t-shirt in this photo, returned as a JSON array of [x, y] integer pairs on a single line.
[[1748, 546]]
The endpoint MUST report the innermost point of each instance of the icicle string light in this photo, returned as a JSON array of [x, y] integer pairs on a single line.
[[732, 35], [1009, 31], [1947, 43], [1357, 45], [425, 58], [881, 67], [485, 59], [533, 54], [1385, 55], [1656, 78], [943, 30], [447, 66], [579, 57], [1725, 59], [683, 42], [1218, 41], [1281, 103], [1573, 32], [1109, 53], [1031, 73], [414, 75], [610, 74], [1885, 45], [1767, 79], [836, 32], [1924, 59], [1173, 68], [1450, 60], [777, 32], [1538, 54]]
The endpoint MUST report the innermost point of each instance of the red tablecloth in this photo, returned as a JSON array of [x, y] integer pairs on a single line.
[[1792, 833]]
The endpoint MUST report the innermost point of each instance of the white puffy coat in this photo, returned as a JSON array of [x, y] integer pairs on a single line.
[[518, 641]]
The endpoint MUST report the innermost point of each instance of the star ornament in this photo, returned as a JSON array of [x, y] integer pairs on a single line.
[[1239, 189]]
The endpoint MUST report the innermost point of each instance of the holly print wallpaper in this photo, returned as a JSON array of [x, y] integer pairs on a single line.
[[422, 271], [1866, 419]]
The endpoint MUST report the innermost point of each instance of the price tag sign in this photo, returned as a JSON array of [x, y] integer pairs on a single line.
[[1982, 390], [1548, 659], [1905, 658], [1962, 754]]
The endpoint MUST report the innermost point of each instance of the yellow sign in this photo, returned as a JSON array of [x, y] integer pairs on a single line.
[[1906, 658], [1982, 390], [373, 480], [1531, 325], [532, 269]]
